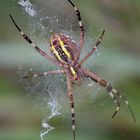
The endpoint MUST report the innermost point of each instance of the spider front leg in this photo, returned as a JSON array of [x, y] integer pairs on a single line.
[[112, 92], [43, 74], [33, 45], [71, 98], [81, 30], [93, 49]]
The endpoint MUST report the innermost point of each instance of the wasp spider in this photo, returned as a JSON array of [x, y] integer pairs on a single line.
[[66, 55]]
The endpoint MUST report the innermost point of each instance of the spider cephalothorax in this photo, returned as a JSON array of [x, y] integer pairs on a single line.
[[67, 57]]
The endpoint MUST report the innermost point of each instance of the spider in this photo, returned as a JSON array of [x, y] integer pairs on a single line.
[[66, 55]]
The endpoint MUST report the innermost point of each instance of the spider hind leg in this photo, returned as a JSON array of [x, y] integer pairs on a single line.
[[71, 98], [113, 93], [126, 102], [116, 96], [110, 90]]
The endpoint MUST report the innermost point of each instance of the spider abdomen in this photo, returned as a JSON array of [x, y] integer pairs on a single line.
[[63, 48]]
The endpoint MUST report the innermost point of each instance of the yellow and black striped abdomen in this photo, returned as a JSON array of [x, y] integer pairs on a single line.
[[63, 48]]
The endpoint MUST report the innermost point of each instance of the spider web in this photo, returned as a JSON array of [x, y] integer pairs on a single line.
[[50, 95], [41, 26], [48, 100]]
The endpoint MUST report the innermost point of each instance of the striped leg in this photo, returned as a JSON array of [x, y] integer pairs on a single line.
[[93, 49], [126, 102], [81, 29], [43, 74], [112, 92], [32, 44], [71, 97]]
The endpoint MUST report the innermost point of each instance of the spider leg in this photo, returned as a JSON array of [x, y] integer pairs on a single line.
[[93, 49], [126, 102], [71, 98], [81, 30], [43, 74], [32, 44], [112, 92]]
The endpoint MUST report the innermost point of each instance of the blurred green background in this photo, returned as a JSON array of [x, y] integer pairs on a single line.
[[118, 61]]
